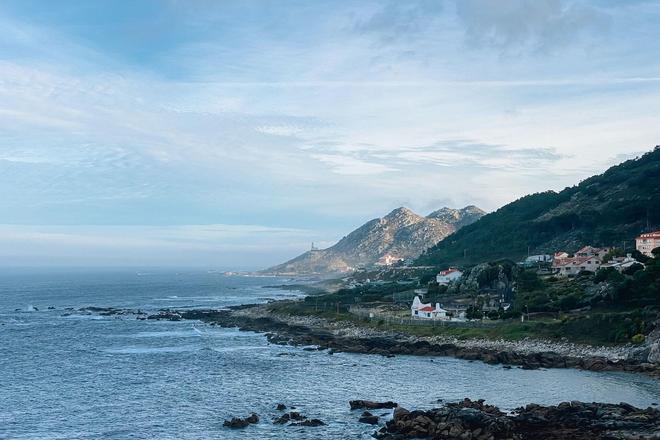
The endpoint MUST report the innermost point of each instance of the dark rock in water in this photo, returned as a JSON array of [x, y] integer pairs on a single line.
[[289, 417], [368, 418], [51, 308], [400, 412], [368, 404], [569, 420], [280, 407], [236, 422], [296, 419], [169, 315], [309, 422]]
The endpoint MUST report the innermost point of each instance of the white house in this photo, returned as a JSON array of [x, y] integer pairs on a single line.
[[388, 260], [645, 243], [449, 275], [621, 263], [427, 311], [533, 260], [587, 259]]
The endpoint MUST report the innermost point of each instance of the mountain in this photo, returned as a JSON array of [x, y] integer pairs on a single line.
[[609, 209], [401, 233]]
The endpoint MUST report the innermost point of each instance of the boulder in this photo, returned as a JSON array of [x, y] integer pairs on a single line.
[[368, 404], [369, 418], [654, 353], [237, 422], [309, 422]]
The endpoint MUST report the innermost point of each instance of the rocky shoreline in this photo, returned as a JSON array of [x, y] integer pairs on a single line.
[[316, 333], [320, 334], [569, 420], [476, 420]]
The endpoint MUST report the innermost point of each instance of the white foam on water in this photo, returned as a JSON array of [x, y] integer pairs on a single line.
[[165, 334], [152, 350]]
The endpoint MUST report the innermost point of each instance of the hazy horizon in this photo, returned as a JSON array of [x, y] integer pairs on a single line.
[[234, 134]]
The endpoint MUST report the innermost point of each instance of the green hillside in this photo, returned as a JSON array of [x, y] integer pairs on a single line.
[[608, 209]]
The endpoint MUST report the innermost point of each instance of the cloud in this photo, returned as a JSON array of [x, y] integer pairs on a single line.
[[351, 166], [393, 20], [369, 159], [529, 25], [469, 153]]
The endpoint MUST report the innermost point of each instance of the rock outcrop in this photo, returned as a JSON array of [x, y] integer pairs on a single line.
[[368, 404], [476, 420], [237, 422]]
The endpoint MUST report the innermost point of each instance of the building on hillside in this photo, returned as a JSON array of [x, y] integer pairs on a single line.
[[427, 311], [621, 263], [587, 259], [447, 276], [388, 260], [645, 243], [535, 260], [590, 251]]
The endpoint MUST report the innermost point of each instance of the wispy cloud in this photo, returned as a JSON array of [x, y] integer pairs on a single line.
[[530, 25]]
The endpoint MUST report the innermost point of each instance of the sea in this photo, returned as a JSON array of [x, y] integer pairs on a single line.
[[67, 374]]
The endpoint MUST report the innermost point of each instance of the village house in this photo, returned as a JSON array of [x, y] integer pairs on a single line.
[[536, 260], [587, 259], [645, 243], [447, 276], [388, 260], [620, 263], [427, 311]]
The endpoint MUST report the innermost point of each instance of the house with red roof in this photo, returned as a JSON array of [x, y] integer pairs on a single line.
[[427, 311], [645, 243], [447, 276], [588, 259]]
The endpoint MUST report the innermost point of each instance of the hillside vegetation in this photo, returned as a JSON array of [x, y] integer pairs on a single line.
[[604, 210]]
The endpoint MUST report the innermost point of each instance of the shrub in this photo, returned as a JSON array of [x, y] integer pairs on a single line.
[[638, 338]]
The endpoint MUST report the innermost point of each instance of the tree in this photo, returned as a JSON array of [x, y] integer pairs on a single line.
[[528, 281], [614, 252], [637, 255]]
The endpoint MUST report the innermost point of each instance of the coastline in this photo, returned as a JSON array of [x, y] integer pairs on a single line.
[[313, 332]]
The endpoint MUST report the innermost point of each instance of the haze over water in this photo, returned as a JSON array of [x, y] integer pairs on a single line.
[[87, 376]]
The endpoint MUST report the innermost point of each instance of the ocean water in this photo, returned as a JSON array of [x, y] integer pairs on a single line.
[[68, 375]]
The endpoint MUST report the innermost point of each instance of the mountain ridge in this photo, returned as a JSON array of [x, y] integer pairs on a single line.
[[401, 233], [607, 209]]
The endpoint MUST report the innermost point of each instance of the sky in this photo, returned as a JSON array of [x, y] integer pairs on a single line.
[[235, 133]]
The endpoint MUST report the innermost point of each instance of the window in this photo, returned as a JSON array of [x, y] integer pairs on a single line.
[[416, 312]]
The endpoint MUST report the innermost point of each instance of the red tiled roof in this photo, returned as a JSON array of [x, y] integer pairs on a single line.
[[654, 234], [427, 309], [573, 261], [448, 271]]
